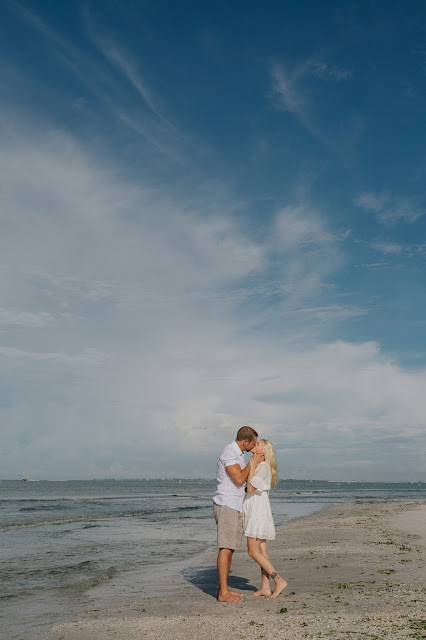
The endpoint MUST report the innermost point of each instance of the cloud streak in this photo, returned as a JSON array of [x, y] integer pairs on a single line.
[[26, 319], [389, 208], [293, 96], [90, 356], [129, 71], [106, 84]]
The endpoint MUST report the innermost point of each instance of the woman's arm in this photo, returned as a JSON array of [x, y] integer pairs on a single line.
[[256, 459]]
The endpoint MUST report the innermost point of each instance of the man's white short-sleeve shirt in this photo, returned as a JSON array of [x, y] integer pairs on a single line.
[[228, 493]]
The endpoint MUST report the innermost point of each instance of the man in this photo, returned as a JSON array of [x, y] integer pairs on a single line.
[[232, 473]]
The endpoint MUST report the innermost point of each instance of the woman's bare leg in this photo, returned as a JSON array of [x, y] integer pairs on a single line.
[[265, 588], [280, 585], [262, 559], [257, 550]]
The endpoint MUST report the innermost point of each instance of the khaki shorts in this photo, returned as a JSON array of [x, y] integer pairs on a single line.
[[229, 527]]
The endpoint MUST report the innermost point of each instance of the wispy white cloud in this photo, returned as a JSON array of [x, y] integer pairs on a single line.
[[289, 98], [293, 91], [390, 248], [389, 208], [419, 249], [305, 252], [373, 201], [128, 68], [374, 265], [78, 285], [329, 72], [26, 318], [35, 21], [297, 227], [87, 357], [331, 312], [149, 122], [146, 130], [288, 86]]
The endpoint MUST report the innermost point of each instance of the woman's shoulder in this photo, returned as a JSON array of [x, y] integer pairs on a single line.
[[263, 463]]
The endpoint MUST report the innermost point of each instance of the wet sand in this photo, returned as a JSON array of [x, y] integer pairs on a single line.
[[355, 571]]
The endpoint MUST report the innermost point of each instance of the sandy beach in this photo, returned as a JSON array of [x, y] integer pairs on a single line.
[[354, 571]]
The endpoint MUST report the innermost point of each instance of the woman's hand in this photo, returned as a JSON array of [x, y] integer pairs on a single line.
[[256, 459]]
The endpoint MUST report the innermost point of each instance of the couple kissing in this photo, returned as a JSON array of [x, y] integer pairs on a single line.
[[241, 506]]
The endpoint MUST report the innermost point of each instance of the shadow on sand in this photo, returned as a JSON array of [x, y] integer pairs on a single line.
[[205, 579]]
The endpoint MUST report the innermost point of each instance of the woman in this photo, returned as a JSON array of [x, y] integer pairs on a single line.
[[258, 522]]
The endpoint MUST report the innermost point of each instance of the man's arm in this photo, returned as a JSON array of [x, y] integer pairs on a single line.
[[238, 475]]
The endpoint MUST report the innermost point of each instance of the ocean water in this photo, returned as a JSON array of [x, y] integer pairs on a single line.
[[60, 540]]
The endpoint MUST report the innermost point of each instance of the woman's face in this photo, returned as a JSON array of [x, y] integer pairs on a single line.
[[258, 447]]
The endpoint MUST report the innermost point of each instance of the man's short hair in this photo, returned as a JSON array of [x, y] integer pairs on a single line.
[[246, 433]]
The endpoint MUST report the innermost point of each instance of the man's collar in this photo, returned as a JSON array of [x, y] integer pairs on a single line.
[[234, 442]]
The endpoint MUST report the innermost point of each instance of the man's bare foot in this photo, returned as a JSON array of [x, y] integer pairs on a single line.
[[233, 593], [228, 597], [261, 592], [280, 585]]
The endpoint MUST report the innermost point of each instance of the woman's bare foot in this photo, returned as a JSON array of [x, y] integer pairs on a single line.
[[280, 585], [261, 592], [228, 597]]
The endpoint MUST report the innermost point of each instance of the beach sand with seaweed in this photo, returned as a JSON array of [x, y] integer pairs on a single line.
[[355, 571]]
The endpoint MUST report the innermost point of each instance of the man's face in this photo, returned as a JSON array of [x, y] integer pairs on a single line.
[[248, 446]]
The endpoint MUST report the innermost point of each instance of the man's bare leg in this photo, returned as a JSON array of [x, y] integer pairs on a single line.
[[224, 559], [234, 593]]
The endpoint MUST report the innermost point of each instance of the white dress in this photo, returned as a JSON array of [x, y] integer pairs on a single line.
[[258, 521]]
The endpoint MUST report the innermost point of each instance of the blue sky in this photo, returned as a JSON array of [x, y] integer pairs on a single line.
[[212, 214]]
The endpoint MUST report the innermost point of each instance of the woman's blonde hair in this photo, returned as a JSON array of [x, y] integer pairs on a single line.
[[269, 453]]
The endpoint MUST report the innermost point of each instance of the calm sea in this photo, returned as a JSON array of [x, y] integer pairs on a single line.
[[60, 540]]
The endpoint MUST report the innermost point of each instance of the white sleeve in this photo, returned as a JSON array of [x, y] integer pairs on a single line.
[[229, 457], [261, 474]]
